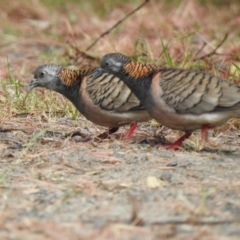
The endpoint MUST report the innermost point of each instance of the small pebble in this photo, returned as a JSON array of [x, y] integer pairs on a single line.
[[166, 176], [172, 163], [77, 138], [16, 146], [99, 222]]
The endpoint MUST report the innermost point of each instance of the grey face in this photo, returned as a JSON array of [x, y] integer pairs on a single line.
[[45, 76], [111, 63]]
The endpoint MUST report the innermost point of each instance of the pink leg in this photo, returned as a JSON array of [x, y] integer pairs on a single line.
[[204, 131], [130, 130], [177, 144]]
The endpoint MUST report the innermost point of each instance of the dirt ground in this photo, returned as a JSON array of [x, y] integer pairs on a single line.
[[54, 186]]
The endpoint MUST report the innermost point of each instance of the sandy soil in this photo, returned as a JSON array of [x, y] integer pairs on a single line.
[[54, 186]]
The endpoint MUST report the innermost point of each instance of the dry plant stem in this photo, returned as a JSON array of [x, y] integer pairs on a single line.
[[212, 52], [200, 50], [115, 25], [103, 135], [193, 221], [13, 129], [135, 220], [81, 53]]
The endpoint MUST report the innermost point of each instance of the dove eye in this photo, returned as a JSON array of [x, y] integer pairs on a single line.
[[42, 74], [107, 64]]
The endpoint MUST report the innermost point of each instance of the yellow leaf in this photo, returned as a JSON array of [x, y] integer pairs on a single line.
[[153, 182]]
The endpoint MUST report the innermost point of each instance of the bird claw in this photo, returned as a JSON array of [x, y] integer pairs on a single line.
[[171, 146], [106, 134], [177, 144]]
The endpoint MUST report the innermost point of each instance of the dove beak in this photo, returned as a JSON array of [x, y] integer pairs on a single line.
[[98, 73], [31, 85]]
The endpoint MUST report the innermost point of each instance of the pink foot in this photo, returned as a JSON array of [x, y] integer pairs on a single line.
[[130, 131], [177, 144]]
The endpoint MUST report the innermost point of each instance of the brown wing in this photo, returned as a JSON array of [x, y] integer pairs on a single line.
[[190, 91], [111, 94]]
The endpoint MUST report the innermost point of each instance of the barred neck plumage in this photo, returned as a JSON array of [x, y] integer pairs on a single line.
[[139, 76], [72, 78], [138, 70]]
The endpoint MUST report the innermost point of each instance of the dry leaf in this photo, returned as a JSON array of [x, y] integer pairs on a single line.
[[153, 182]]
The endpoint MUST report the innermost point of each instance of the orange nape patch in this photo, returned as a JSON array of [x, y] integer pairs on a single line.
[[137, 70], [69, 76]]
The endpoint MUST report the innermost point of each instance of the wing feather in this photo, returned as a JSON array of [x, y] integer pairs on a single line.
[[190, 91], [111, 94]]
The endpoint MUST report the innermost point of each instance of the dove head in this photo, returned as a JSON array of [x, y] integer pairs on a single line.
[[45, 76], [114, 62], [123, 67], [136, 75]]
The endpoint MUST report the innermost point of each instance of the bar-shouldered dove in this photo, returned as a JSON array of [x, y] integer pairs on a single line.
[[105, 100], [180, 99]]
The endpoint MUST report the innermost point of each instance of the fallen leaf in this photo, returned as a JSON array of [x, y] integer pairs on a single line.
[[153, 182]]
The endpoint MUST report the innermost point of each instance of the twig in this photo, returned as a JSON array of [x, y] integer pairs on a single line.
[[192, 221], [4, 130], [115, 25], [214, 50], [135, 219], [81, 53], [46, 132], [203, 46]]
